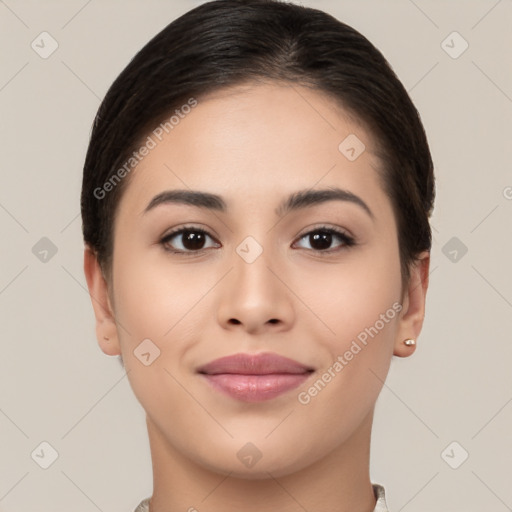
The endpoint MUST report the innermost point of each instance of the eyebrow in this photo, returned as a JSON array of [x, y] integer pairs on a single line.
[[297, 200]]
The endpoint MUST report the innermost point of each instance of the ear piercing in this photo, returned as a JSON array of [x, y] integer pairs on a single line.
[[105, 338], [409, 342]]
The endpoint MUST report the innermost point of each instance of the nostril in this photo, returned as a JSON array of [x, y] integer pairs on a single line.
[[234, 321]]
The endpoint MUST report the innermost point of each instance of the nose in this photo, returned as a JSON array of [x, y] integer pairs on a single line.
[[254, 297]]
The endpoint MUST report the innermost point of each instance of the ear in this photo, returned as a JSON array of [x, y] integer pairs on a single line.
[[413, 306], [106, 330]]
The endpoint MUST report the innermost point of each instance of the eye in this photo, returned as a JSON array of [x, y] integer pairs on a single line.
[[188, 240], [320, 239]]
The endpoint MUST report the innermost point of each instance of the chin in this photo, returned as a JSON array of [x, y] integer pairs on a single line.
[[263, 468]]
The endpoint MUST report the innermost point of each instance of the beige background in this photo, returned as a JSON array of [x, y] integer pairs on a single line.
[[57, 386]]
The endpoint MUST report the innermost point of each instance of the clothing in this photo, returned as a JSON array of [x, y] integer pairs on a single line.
[[380, 494], [378, 490], [144, 506]]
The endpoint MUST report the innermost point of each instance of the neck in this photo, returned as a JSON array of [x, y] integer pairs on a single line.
[[338, 482]]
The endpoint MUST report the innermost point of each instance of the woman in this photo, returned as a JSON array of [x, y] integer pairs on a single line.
[[255, 205]]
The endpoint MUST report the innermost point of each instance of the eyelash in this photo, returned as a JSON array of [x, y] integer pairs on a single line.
[[347, 240]]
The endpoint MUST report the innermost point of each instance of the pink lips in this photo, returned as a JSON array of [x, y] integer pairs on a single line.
[[255, 378]]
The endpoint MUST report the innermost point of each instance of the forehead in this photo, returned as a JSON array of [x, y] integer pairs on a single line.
[[265, 139]]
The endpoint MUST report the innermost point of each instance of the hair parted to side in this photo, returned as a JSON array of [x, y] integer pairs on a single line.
[[226, 43]]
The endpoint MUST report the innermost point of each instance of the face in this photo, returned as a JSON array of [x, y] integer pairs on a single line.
[[315, 280]]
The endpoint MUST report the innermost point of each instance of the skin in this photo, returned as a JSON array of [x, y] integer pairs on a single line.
[[255, 145]]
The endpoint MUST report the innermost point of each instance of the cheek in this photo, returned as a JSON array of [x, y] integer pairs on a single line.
[[360, 304], [352, 296], [155, 302], [152, 296]]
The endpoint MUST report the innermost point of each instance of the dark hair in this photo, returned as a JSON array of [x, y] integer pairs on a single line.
[[230, 42]]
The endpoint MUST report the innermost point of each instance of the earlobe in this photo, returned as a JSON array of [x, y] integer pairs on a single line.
[[413, 312], [106, 330]]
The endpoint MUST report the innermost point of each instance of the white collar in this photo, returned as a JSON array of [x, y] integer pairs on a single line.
[[380, 495], [378, 491]]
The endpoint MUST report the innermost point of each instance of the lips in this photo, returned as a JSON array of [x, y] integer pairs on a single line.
[[258, 364], [255, 378]]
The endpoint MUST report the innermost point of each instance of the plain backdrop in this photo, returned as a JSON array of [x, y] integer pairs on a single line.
[[441, 438]]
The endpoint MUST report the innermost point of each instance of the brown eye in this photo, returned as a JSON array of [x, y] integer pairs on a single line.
[[321, 239], [186, 240]]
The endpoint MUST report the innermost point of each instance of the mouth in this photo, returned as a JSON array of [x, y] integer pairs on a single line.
[[255, 378]]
